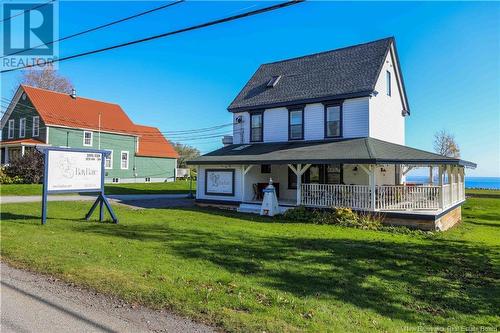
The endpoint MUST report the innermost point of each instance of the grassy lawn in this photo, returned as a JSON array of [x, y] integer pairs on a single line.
[[246, 273], [177, 187]]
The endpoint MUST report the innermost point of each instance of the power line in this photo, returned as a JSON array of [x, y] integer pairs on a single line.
[[98, 27], [27, 10], [170, 33]]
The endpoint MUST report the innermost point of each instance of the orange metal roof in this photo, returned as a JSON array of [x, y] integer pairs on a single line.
[[61, 109]]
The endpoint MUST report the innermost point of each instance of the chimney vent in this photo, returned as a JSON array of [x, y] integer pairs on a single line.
[[73, 93]]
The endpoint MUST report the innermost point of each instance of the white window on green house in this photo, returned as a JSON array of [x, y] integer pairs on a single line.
[[36, 126], [124, 160], [87, 138], [22, 127], [10, 133], [108, 161]]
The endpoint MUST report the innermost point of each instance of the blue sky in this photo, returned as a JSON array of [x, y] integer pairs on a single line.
[[449, 53]]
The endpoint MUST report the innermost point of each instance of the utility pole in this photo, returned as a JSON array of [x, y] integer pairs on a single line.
[[99, 130]]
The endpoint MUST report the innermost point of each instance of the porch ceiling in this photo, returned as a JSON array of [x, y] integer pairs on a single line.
[[348, 151]]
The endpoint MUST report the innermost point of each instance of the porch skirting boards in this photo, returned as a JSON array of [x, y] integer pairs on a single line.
[[428, 221]]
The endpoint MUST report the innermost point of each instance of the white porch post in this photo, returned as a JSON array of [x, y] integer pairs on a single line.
[[299, 184], [6, 160], [299, 171], [22, 150], [440, 183], [245, 170], [372, 182], [370, 171], [430, 175]]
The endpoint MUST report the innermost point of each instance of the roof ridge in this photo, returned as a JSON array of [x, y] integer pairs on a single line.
[[328, 51], [65, 94]]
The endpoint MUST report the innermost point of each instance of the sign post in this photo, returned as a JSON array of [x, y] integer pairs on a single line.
[[69, 170]]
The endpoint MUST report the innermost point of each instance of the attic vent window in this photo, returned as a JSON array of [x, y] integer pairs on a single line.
[[273, 81], [241, 147]]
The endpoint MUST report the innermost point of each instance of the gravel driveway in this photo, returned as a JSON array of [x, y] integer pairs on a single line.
[[40, 303]]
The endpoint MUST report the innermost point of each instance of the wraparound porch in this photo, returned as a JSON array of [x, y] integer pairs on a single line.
[[376, 196]]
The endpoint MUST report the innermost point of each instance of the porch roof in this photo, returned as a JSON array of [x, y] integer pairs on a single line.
[[22, 142], [351, 151]]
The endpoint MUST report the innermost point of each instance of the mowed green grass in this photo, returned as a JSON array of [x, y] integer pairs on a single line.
[[245, 273], [177, 187]]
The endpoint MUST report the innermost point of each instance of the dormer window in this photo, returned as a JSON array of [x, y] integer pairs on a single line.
[[333, 121], [273, 81], [296, 124], [256, 127], [388, 82]]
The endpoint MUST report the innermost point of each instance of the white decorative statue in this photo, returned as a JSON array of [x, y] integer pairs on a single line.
[[270, 205]]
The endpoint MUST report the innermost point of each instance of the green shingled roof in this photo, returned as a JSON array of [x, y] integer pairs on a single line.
[[353, 151]]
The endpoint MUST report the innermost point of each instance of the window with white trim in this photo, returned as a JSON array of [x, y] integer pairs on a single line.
[[10, 133], [108, 161], [124, 160], [36, 126], [87, 138], [22, 127]]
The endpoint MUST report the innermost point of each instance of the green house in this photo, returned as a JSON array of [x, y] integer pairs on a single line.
[[39, 117]]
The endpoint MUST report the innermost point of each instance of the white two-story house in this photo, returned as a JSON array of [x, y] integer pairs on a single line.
[[329, 130]]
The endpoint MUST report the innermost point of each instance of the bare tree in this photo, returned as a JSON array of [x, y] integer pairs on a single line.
[[185, 152], [445, 144], [46, 78]]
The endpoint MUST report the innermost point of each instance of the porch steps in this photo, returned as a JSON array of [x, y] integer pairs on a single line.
[[254, 208], [249, 208]]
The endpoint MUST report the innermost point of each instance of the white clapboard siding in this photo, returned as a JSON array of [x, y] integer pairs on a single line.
[[354, 122], [314, 124], [241, 130], [276, 125], [386, 120], [355, 117]]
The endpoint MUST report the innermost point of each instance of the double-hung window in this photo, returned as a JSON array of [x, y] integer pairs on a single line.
[[388, 82], [22, 127], [296, 124], [36, 126], [87, 138], [10, 133], [124, 160], [256, 127], [333, 121], [108, 161]]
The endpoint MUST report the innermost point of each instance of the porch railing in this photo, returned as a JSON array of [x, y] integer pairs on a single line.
[[328, 195], [397, 197], [407, 197]]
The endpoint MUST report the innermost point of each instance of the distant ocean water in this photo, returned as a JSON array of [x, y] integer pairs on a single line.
[[470, 182]]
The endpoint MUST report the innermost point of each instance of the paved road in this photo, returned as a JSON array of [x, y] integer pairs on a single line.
[[136, 201], [39, 303], [117, 197]]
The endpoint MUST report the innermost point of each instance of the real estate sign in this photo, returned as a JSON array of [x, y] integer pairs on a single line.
[[74, 171]]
